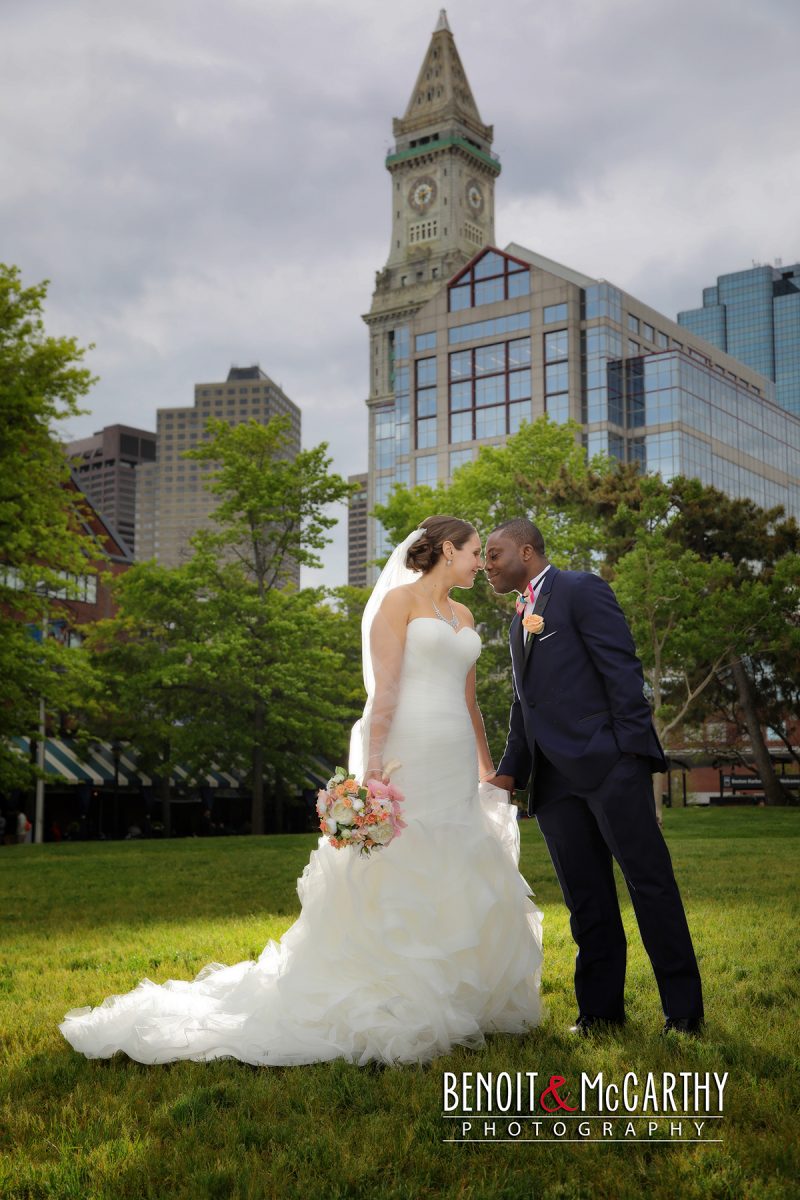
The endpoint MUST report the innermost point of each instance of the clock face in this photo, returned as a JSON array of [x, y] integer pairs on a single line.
[[422, 193], [475, 201]]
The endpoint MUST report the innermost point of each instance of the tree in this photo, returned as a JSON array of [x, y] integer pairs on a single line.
[[273, 517], [760, 688], [222, 662], [716, 528], [142, 657], [41, 540]]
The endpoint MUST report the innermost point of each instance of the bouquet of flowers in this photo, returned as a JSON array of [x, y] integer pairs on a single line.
[[365, 816]]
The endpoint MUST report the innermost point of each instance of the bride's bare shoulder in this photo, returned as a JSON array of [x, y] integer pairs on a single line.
[[402, 604], [397, 603]]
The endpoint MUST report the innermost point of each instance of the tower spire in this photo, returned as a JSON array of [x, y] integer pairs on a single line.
[[442, 91]]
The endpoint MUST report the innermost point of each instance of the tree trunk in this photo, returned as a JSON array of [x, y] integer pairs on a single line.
[[660, 781], [166, 807], [257, 813], [773, 791], [278, 806]]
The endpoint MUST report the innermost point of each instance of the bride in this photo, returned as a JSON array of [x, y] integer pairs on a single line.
[[425, 944]]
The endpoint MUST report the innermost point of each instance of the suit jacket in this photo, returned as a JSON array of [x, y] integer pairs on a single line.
[[578, 686]]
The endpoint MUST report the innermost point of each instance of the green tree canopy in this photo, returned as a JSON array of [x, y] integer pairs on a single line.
[[223, 661], [41, 540]]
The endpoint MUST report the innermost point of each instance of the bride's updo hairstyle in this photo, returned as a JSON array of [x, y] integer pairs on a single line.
[[427, 550]]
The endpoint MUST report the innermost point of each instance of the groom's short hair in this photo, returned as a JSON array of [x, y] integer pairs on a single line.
[[523, 532]]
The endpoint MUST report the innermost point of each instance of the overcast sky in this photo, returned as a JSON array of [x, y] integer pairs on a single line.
[[203, 180]]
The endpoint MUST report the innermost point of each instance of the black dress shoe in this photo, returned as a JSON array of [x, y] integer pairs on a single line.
[[586, 1025], [690, 1025]]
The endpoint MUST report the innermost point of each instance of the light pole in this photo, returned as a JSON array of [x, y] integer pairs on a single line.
[[38, 818]]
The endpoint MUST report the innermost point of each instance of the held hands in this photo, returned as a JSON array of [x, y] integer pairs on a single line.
[[505, 782]]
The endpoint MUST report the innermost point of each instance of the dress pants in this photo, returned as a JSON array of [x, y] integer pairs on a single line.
[[585, 829]]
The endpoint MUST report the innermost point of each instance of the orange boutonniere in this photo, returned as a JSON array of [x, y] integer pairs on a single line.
[[533, 623]]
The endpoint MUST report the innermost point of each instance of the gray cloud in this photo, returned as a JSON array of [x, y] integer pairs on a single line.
[[203, 183]]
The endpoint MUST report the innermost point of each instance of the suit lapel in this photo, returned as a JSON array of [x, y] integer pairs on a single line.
[[515, 639], [542, 600]]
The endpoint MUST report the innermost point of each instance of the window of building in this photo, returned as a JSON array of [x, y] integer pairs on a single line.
[[426, 469], [648, 332], [556, 345], [663, 455], [493, 277], [489, 390], [492, 328], [633, 323], [556, 375], [662, 341], [603, 300], [426, 372], [556, 378], [616, 446], [557, 407], [459, 457], [399, 343], [423, 231], [384, 437], [426, 433], [425, 341], [554, 312], [636, 452], [597, 443]]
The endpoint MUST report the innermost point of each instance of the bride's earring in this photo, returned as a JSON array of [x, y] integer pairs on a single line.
[[449, 562]]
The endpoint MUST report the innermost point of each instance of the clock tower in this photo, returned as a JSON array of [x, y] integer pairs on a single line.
[[443, 171]]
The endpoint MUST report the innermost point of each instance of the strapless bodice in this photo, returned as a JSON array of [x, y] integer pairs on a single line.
[[438, 656]]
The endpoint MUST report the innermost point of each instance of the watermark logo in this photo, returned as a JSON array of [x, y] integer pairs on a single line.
[[684, 1107]]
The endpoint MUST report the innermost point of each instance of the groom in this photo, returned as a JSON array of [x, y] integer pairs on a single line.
[[582, 728]]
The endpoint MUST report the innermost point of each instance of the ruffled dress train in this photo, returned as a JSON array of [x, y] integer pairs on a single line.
[[429, 943]]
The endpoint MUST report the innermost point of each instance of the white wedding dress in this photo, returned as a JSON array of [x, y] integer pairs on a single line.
[[426, 944]]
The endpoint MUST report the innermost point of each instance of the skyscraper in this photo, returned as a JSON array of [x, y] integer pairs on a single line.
[[106, 472], [173, 503], [755, 316], [357, 533], [461, 357]]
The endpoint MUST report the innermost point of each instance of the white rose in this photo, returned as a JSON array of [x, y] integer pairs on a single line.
[[331, 825], [343, 813], [321, 807], [382, 833], [357, 804]]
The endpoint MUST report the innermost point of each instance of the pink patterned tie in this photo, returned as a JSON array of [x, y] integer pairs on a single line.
[[526, 597]]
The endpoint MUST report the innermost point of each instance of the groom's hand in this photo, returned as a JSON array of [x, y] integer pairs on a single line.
[[506, 782]]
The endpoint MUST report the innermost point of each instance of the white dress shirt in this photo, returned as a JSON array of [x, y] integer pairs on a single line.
[[535, 584]]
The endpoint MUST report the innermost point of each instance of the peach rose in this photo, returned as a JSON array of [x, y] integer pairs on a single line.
[[533, 623]]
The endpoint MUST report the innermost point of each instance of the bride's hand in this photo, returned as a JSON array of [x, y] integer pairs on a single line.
[[385, 772]]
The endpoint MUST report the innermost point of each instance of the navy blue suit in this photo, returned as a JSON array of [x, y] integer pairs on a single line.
[[581, 731]]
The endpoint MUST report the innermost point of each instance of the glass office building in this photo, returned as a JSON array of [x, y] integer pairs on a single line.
[[755, 316], [513, 336]]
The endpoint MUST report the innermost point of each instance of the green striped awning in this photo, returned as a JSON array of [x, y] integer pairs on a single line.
[[94, 764]]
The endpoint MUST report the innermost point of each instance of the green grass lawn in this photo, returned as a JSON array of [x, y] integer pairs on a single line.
[[82, 921]]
